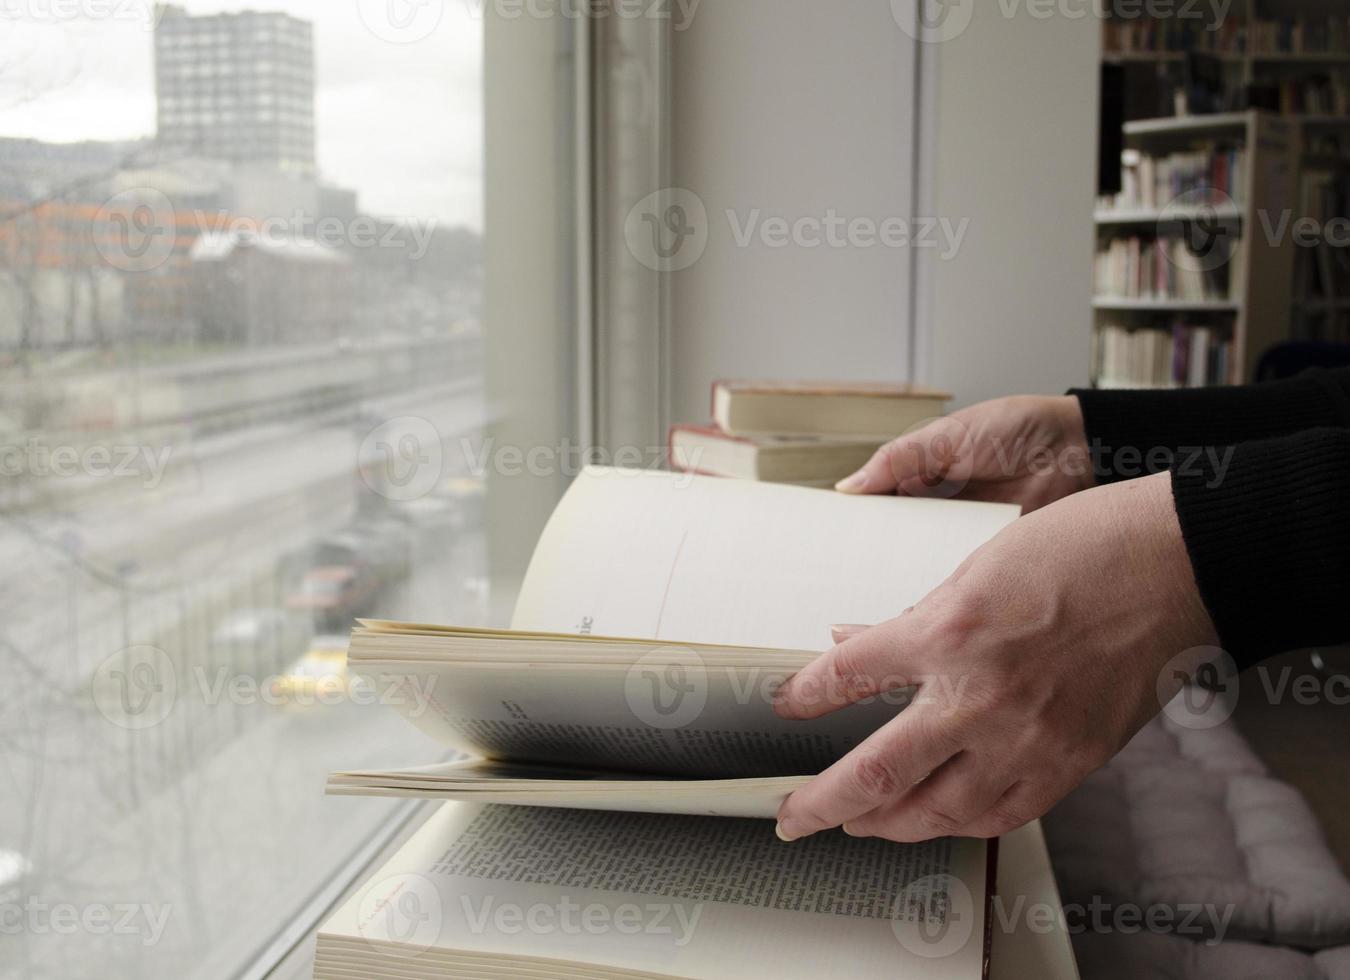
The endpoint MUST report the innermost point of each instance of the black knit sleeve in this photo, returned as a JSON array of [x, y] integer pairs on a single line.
[[1137, 433], [1267, 526]]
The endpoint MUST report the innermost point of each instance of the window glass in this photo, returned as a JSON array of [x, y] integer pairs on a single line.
[[241, 354]]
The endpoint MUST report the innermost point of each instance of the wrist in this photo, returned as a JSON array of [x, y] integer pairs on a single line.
[[1190, 624], [1067, 411]]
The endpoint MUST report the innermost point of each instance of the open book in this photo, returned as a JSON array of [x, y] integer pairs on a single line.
[[659, 613]]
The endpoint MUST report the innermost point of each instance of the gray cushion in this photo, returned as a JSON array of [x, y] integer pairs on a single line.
[[1185, 817]]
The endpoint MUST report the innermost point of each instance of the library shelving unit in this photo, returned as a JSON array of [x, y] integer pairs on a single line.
[[1287, 55], [1255, 311]]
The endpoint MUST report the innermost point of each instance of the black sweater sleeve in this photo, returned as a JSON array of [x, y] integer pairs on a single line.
[[1135, 433], [1261, 480]]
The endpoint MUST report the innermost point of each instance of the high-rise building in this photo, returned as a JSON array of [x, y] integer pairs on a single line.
[[236, 87]]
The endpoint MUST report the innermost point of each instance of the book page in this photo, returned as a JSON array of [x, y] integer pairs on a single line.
[[702, 559], [679, 715], [483, 781], [674, 896]]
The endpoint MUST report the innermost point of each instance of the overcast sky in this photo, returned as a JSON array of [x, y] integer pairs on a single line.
[[399, 120]]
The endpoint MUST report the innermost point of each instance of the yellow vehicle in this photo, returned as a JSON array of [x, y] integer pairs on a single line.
[[319, 677]]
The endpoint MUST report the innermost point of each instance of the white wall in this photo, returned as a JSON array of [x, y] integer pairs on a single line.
[[794, 107], [1013, 147], [798, 106]]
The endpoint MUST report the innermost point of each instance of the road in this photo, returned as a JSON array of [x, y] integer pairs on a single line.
[[212, 816]]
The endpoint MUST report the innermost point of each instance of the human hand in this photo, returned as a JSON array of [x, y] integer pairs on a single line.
[[1025, 450], [1035, 662]]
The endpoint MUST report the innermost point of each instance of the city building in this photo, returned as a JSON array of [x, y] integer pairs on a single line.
[[236, 87]]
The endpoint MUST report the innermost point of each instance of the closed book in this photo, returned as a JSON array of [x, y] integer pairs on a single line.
[[807, 460], [823, 408]]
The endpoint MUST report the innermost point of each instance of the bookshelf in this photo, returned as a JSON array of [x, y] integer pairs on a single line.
[[1271, 81], [1211, 188]]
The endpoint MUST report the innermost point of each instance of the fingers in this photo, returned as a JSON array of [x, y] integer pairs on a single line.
[[1021, 804], [878, 771], [948, 803], [867, 661], [915, 465]]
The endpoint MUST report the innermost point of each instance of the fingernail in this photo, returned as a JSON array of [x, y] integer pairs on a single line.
[[783, 834], [848, 828], [842, 631], [856, 483]]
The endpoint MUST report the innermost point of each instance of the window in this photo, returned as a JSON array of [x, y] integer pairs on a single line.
[[238, 408]]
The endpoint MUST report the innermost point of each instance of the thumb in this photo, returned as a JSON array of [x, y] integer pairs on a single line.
[[918, 464]]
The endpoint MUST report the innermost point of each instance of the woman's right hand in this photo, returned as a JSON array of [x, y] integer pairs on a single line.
[[1026, 450]]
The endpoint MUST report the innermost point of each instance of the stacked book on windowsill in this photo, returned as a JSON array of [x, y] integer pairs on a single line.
[[804, 433]]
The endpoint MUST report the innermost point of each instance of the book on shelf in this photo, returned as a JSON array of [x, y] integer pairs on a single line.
[[630, 702], [748, 408], [1180, 355], [1301, 35], [1214, 175], [820, 461], [1195, 266], [1162, 35], [1307, 34]]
